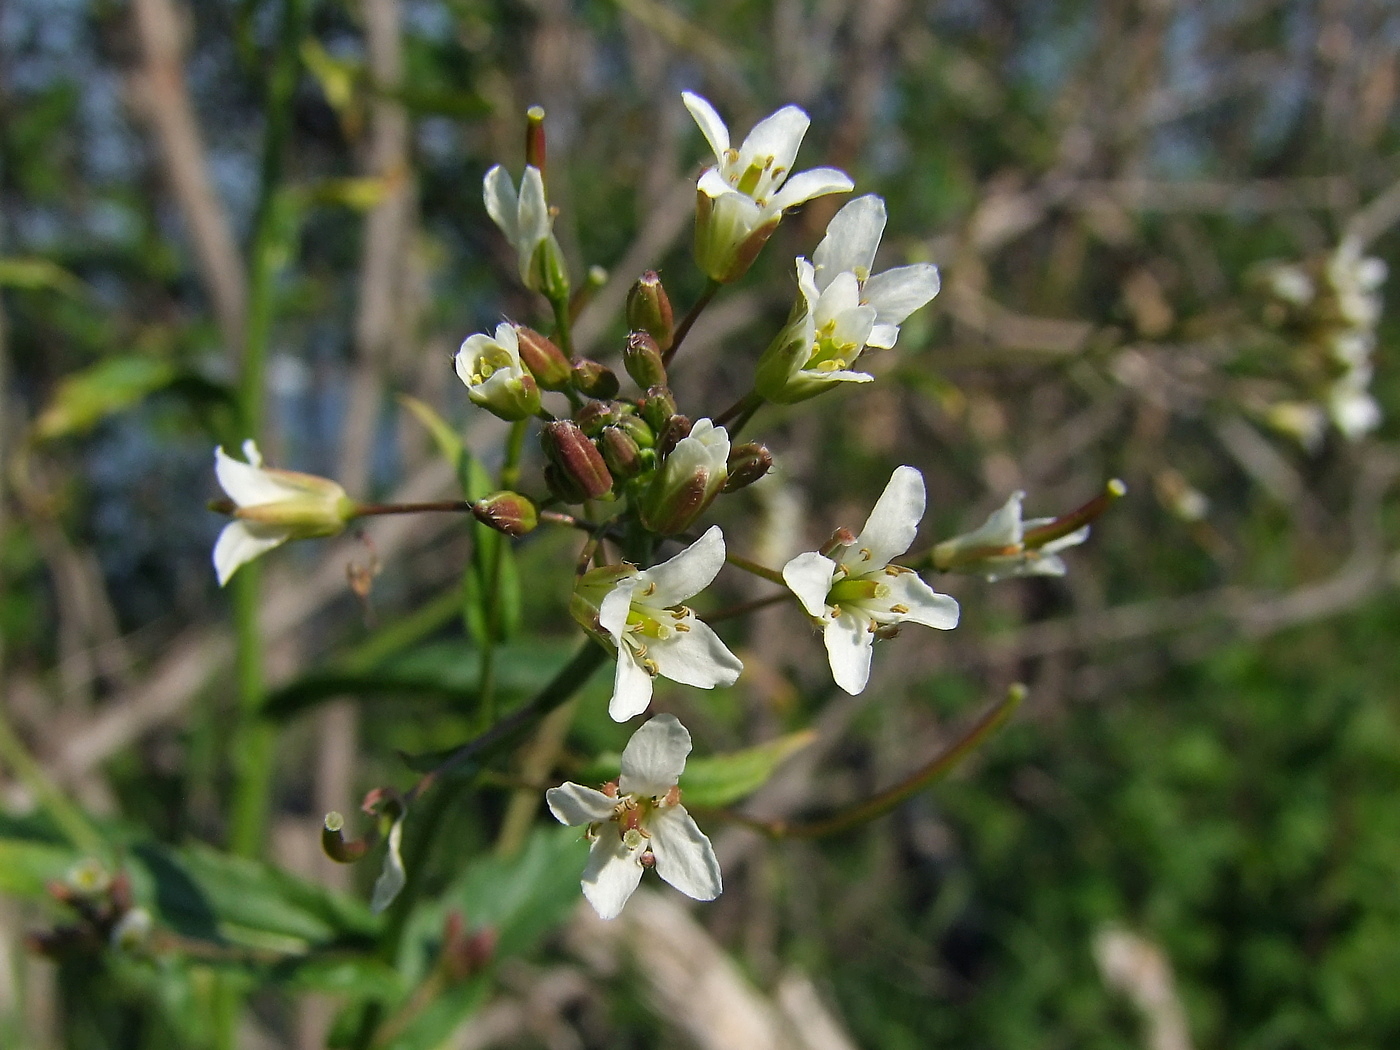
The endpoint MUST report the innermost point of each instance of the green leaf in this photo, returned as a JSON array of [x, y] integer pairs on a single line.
[[38, 274], [28, 865], [446, 439], [85, 398]]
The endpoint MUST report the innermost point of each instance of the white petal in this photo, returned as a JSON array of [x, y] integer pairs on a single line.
[[631, 687], [616, 604], [654, 758], [1003, 527], [534, 212], [695, 657], [926, 606], [779, 136], [392, 876], [809, 577], [883, 336], [853, 327], [839, 296], [892, 524], [612, 874], [852, 238], [575, 804], [1073, 539], [897, 293], [684, 856], [848, 643], [238, 544], [711, 125], [501, 203], [686, 574], [805, 185], [712, 183], [251, 453], [247, 485]]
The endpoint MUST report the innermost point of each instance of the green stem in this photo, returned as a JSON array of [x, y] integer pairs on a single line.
[[758, 570], [67, 816], [510, 477], [712, 287], [563, 326]]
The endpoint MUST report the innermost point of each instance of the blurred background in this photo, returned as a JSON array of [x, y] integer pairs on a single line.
[[1153, 220]]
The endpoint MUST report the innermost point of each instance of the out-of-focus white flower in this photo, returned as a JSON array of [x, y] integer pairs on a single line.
[[528, 224], [743, 196], [132, 930], [1355, 413], [639, 821], [851, 241], [638, 612], [854, 594], [495, 377], [272, 507], [828, 330]]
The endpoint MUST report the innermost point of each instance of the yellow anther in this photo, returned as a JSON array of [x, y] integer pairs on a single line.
[[682, 628], [901, 609], [865, 554]]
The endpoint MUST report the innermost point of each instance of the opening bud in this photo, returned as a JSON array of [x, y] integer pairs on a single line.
[[649, 310], [594, 380], [545, 361], [642, 359], [747, 463], [677, 428], [595, 415], [658, 407], [687, 481], [507, 512], [579, 470]]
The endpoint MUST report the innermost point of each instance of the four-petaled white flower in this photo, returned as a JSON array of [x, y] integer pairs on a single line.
[[639, 613], [272, 507], [743, 196], [828, 330], [639, 821], [997, 549], [526, 221], [849, 247], [495, 377], [855, 595]]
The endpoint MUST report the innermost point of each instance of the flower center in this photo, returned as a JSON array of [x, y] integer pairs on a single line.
[[488, 364], [846, 592]]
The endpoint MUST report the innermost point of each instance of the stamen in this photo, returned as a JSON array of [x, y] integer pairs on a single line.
[[649, 589], [901, 609], [682, 629], [865, 554]]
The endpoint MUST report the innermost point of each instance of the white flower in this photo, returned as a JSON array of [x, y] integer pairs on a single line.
[[851, 241], [743, 196], [1355, 413], [639, 612], [528, 225], [688, 481], [853, 593], [272, 507], [495, 377], [641, 822], [997, 548]]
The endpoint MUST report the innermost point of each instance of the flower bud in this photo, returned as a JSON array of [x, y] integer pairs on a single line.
[[687, 481], [594, 380], [546, 362], [507, 512], [495, 376], [624, 457], [581, 472], [642, 359], [595, 415], [311, 507], [658, 407], [747, 463], [637, 430], [677, 427], [649, 310]]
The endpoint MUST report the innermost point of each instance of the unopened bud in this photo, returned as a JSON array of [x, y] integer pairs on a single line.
[[642, 359], [622, 454], [545, 361], [507, 512], [747, 463], [687, 481], [594, 380], [578, 462], [649, 310], [677, 428], [595, 415], [658, 407]]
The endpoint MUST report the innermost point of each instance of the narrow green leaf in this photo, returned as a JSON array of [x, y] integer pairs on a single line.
[[85, 398]]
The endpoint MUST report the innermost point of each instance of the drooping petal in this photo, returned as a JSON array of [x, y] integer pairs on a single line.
[[805, 185], [616, 604], [654, 759], [1072, 539], [686, 574], [1003, 527], [247, 485], [809, 577], [501, 202], [631, 687], [897, 293], [695, 657], [848, 644], [534, 222], [926, 606], [892, 524], [575, 804], [852, 238], [239, 544], [684, 856], [611, 875], [779, 136], [710, 123]]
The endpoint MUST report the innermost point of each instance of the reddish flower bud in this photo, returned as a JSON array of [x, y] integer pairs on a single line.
[[642, 359], [649, 310], [658, 407], [578, 463], [507, 512], [622, 454], [594, 380], [747, 463], [546, 362], [677, 427]]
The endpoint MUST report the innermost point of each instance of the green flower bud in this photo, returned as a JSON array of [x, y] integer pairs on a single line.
[[687, 481], [579, 464], [548, 273], [649, 310], [658, 407], [507, 512], [546, 362], [595, 415], [624, 457], [747, 463], [642, 359], [594, 380]]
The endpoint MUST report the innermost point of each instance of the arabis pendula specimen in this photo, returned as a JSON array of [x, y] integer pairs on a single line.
[[855, 595], [639, 821]]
